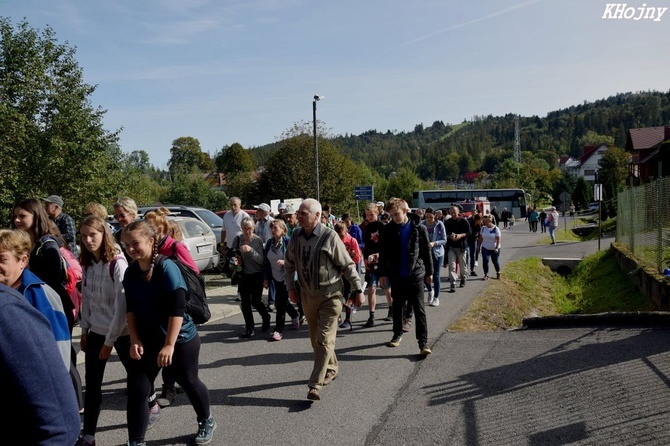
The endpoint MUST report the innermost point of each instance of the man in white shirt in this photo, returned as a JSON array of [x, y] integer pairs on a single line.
[[231, 222]]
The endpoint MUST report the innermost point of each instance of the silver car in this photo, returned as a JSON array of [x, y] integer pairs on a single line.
[[201, 242]]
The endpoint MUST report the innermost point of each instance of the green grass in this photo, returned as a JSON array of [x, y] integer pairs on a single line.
[[529, 288], [454, 129]]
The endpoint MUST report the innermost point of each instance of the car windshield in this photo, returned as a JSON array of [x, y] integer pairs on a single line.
[[209, 217]]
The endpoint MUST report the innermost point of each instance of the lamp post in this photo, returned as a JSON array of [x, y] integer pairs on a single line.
[[316, 146]]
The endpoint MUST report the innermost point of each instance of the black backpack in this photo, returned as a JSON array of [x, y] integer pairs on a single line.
[[196, 299]]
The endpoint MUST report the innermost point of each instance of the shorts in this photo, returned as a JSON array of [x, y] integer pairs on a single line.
[[372, 279]]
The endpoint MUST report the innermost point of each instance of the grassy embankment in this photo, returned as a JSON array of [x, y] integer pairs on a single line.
[[528, 288]]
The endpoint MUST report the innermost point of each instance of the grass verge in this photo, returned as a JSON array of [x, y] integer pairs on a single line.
[[529, 288]]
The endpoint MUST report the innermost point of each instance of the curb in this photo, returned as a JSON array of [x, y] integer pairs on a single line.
[[632, 319]]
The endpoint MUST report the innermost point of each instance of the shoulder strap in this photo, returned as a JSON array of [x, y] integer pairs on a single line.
[[112, 265]]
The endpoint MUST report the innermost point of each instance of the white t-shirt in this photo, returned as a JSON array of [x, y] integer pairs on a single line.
[[489, 236], [231, 224]]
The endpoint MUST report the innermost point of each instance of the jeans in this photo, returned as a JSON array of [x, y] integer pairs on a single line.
[[552, 229], [494, 256], [472, 245], [95, 371], [251, 292], [435, 284], [283, 305], [409, 290]]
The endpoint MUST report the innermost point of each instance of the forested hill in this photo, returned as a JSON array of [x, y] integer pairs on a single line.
[[445, 151]]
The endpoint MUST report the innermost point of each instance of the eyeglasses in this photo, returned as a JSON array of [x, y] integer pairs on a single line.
[[124, 215]]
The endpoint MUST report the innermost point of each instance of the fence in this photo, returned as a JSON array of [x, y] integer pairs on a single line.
[[643, 222]]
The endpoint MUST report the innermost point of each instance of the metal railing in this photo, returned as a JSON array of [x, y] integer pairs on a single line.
[[643, 222]]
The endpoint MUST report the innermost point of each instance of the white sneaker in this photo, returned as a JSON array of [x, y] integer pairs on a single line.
[[430, 297], [476, 264], [435, 302]]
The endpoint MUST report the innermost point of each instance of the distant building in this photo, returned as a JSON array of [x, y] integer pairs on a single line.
[[647, 149], [586, 165]]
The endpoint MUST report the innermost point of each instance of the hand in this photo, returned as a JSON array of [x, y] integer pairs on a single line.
[[432, 244], [165, 356], [359, 299], [105, 353], [429, 279], [280, 262], [293, 296], [136, 350], [82, 342], [266, 284], [245, 248]]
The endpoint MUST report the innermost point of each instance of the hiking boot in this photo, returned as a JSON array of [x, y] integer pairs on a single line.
[[154, 415], [276, 336], [407, 324], [497, 275], [248, 334], [346, 324], [389, 317], [370, 322], [206, 429], [395, 341], [167, 395], [313, 394], [82, 441], [425, 351], [435, 303], [330, 376], [295, 323], [462, 284]]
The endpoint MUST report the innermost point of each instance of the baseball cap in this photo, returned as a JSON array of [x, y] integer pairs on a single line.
[[55, 199], [281, 206], [289, 210], [264, 207]]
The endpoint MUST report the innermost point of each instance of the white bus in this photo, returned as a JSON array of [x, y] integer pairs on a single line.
[[514, 200]]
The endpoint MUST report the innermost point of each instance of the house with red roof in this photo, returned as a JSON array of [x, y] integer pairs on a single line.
[[647, 149], [586, 165]]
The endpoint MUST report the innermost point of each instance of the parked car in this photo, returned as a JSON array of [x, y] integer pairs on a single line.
[[205, 215], [593, 207], [201, 242]]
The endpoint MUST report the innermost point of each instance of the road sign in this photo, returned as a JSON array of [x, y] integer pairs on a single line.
[[364, 193], [564, 197]]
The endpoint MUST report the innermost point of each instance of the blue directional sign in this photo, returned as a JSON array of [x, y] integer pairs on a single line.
[[364, 193]]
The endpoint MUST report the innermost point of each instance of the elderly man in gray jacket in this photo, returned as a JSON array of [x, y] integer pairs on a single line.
[[318, 256]]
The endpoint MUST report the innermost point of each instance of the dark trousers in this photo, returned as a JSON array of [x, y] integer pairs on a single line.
[[251, 292], [141, 376], [283, 306], [409, 290], [95, 372]]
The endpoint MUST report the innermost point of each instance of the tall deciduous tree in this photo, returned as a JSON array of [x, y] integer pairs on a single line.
[[234, 159], [53, 140], [187, 156], [613, 171]]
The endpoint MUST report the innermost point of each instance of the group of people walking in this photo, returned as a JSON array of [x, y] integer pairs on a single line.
[[133, 302]]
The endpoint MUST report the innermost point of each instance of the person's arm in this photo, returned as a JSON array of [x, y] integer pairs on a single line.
[[120, 309], [425, 252]]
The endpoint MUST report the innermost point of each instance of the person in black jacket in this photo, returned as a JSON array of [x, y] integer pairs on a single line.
[[405, 255], [458, 230]]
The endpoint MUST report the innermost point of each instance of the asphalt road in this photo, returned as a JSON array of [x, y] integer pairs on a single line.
[[588, 385]]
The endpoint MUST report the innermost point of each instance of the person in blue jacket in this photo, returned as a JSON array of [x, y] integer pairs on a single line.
[[44, 408]]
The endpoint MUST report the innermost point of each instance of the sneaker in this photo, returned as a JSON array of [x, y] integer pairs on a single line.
[[370, 322], [346, 324], [303, 319], [476, 263], [270, 308], [85, 440], [135, 443], [473, 273], [431, 296], [435, 303], [395, 341], [425, 351], [406, 324], [276, 336], [154, 415], [295, 323], [313, 394], [330, 376], [486, 277], [462, 284], [167, 395], [452, 288], [206, 429]]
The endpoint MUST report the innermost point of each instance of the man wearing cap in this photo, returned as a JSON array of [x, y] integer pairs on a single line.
[[263, 220], [281, 208], [290, 219], [53, 204]]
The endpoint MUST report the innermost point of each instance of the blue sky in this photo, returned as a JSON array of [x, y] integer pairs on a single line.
[[226, 71]]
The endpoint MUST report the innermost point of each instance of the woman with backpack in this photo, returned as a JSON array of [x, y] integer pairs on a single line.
[[169, 247], [103, 315], [47, 263], [162, 334]]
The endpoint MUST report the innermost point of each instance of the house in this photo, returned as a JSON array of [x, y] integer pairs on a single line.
[[586, 165], [647, 149]]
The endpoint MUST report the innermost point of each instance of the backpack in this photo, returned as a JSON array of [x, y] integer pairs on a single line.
[[71, 274], [196, 299]]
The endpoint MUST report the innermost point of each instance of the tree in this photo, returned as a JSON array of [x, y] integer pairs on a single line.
[[234, 159], [403, 185], [194, 190], [613, 171], [186, 156], [591, 138], [49, 125], [582, 195]]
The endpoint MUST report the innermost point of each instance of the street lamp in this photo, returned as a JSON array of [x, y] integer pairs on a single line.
[[316, 145]]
